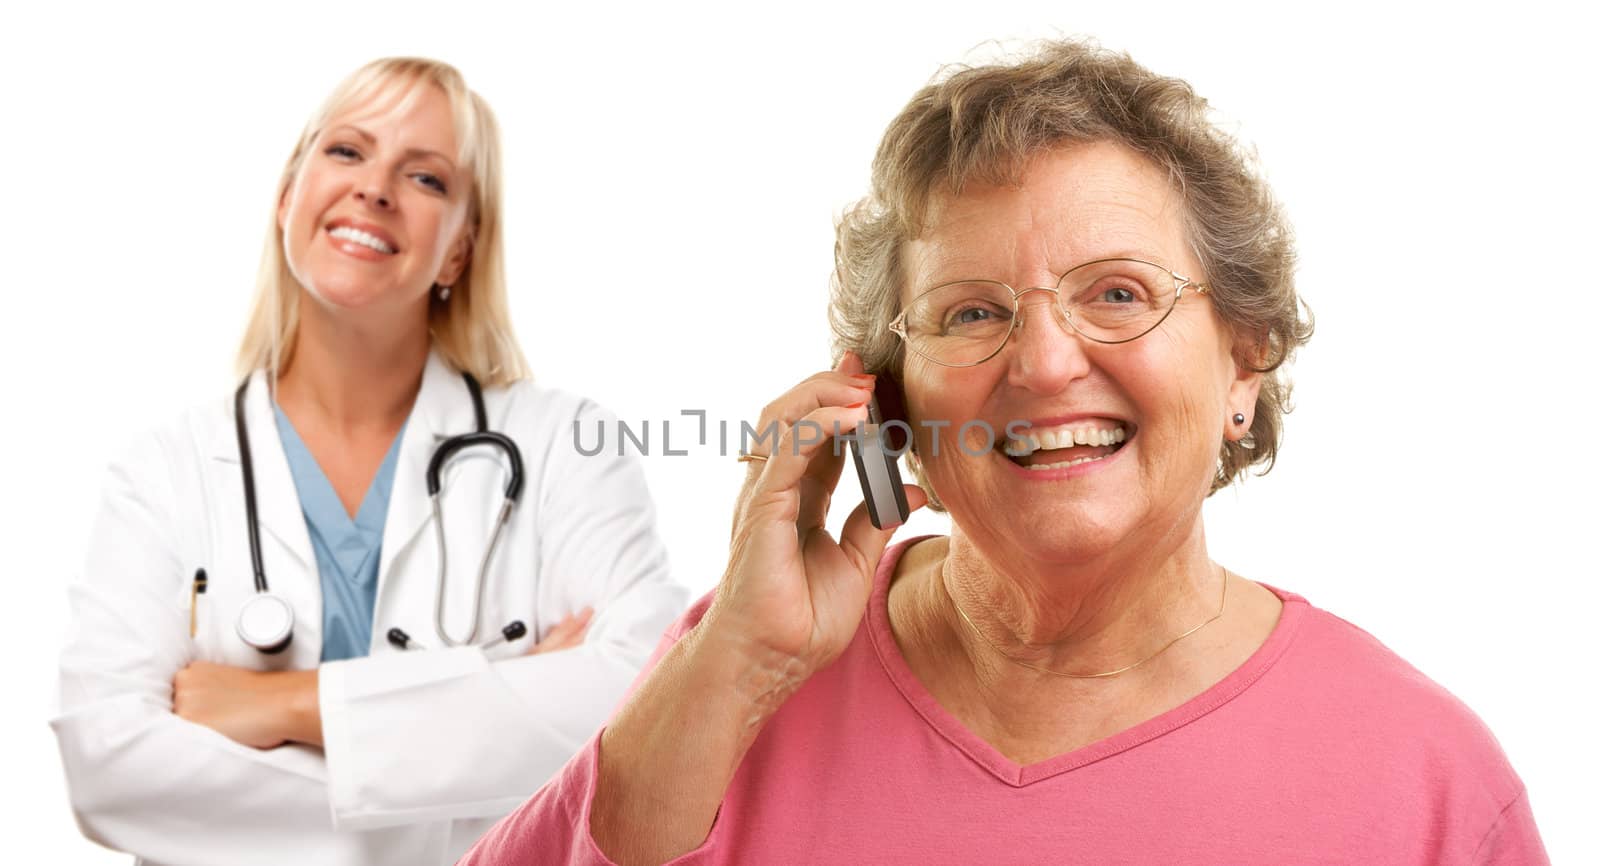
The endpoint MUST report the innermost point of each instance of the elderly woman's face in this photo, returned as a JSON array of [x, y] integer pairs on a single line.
[[1171, 392], [376, 213]]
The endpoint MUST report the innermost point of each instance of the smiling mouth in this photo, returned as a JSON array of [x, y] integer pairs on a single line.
[[357, 236], [1068, 444]]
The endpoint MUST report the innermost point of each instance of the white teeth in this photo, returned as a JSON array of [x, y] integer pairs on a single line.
[[358, 236], [1025, 443], [1103, 437], [1066, 464]]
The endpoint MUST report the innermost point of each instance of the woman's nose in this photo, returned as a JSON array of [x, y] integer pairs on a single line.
[[374, 192], [375, 197], [1046, 353]]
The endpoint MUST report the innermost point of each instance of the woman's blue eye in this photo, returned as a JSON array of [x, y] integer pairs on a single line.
[[1119, 296], [974, 318], [346, 152]]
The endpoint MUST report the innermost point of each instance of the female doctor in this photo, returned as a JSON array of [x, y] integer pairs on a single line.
[[285, 649]]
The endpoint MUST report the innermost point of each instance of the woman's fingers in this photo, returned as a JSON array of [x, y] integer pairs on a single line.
[[778, 491], [850, 364], [568, 636], [844, 385], [567, 633], [818, 392]]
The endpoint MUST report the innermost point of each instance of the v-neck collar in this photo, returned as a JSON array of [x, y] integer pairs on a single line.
[[321, 502], [1018, 775]]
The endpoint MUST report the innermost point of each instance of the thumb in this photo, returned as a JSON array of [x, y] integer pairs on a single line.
[[863, 542]]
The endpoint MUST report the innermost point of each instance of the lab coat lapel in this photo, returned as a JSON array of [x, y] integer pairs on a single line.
[[277, 501], [443, 409]]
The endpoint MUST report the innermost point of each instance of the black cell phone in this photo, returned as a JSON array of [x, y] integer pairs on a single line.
[[875, 450]]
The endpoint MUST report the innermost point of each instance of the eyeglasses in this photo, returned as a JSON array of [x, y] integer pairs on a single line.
[[967, 322]]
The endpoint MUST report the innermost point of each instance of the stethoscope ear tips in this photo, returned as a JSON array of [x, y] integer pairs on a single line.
[[516, 630], [266, 622]]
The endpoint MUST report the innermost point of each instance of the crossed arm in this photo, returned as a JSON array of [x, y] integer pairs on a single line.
[[266, 709]]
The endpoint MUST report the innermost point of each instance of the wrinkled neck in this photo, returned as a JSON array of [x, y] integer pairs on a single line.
[[1083, 618]]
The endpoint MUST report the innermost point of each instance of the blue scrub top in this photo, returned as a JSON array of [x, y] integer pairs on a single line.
[[346, 550]]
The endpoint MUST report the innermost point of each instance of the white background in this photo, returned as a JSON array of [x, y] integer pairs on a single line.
[[672, 177]]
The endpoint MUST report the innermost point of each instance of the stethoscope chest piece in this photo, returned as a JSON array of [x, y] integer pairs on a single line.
[[266, 622]]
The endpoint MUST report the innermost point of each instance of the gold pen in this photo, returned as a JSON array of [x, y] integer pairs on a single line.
[[194, 598]]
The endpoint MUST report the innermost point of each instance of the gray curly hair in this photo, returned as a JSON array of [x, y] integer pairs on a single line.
[[981, 124]]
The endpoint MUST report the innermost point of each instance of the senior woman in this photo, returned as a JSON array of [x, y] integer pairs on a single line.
[[1062, 246], [366, 605]]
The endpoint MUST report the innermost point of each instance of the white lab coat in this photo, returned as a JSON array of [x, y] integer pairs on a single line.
[[423, 749]]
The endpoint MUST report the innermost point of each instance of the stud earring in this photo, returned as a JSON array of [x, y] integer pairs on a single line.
[[444, 292], [1238, 417]]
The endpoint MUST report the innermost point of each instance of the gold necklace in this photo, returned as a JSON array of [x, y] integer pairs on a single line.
[[1045, 670]]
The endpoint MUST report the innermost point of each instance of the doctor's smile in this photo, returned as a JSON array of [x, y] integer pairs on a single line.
[[362, 239], [374, 548]]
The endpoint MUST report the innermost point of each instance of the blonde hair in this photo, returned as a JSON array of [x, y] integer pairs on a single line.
[[473, 329], [981, 124]]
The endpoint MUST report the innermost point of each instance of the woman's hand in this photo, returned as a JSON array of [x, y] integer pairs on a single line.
[[566, 634], [789, 603], [262, 709], [791, 591], [845, 384]]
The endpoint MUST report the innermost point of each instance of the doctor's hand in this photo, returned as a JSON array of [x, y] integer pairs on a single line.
[[566, 634], [262, 709]]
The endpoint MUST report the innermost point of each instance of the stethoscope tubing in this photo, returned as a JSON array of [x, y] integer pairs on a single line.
[[278, 639], [247, 467], [483, 572]]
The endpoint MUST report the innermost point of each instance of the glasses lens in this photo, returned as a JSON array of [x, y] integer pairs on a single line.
[[960, 323], [1117, 299]]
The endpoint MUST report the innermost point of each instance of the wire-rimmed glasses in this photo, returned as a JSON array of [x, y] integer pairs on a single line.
[[967, 322]]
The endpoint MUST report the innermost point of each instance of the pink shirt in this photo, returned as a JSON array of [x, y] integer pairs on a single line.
[[1323, 747]]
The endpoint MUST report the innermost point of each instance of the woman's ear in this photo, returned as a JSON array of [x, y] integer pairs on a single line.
[[1249, 358], [1242, 393], [455, 264], [283, 207]]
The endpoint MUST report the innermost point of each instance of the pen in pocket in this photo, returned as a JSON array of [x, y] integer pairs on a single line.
[[194, 598]]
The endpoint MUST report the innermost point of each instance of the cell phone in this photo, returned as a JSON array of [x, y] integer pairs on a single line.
[[876, 451]]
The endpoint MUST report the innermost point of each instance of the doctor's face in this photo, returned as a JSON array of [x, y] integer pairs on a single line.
[[377, 211]]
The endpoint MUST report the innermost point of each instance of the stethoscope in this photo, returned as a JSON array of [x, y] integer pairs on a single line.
[[266, 621]]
